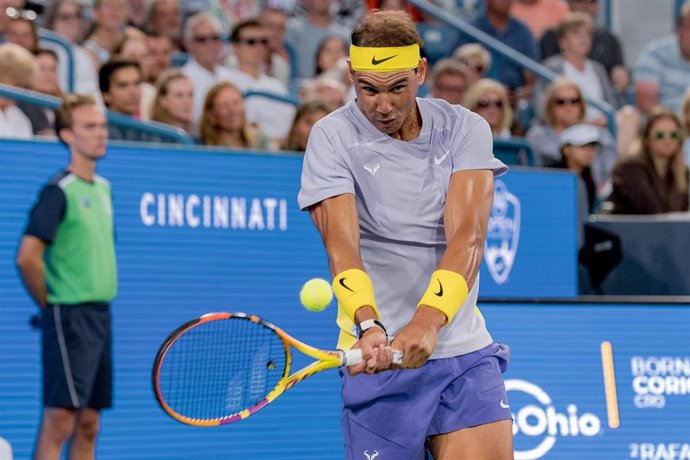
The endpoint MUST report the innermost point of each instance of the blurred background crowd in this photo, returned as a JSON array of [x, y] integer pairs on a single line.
[[252, 74]]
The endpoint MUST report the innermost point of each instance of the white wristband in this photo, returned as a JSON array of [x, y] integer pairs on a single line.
[[368, 324]]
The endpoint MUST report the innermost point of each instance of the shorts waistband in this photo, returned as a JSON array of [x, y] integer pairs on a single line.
[[94, 305]]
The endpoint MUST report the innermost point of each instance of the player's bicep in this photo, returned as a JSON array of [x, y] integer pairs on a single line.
[[466, 214], [468, 204], [336, 220]]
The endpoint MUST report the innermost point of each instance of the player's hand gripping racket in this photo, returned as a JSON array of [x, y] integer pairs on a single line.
[[223, 367]]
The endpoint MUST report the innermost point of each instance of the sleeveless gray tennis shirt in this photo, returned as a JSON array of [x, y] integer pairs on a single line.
[[400, 190]]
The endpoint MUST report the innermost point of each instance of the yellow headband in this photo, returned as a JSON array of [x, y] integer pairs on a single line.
[[388, 59]]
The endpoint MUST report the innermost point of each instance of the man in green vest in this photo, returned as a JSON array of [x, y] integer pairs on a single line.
[[66, 259]]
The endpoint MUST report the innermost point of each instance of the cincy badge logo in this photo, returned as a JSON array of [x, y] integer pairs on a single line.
[[503, 233]]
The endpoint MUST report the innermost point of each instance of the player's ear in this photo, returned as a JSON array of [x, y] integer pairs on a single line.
[[350, 72], [421, 71], [66, 135]]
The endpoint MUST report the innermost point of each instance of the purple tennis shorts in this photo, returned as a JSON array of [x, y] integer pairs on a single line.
[[388, 416]]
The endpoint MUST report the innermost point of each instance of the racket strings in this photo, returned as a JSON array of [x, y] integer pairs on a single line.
[[221, 368]]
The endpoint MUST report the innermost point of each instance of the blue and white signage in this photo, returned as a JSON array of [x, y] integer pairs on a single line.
[[200, 231]]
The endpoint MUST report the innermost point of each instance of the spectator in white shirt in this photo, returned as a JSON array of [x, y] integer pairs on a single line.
[[250, 45], [17, 67], [66, 17], [278, 63], [202, 38], [165, 18]]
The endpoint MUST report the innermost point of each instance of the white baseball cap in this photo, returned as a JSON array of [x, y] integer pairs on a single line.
[[579, 135]]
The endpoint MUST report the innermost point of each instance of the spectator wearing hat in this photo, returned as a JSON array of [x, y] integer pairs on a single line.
[[579, 145], [564, 107]]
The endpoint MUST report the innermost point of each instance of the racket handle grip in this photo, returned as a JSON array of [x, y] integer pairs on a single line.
[[397, 357], [351, 357]]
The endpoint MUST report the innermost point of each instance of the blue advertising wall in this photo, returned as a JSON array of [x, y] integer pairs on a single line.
[[557, 382], [199, 231]]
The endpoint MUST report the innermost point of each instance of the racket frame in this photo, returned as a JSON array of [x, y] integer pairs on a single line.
[[325, 360]]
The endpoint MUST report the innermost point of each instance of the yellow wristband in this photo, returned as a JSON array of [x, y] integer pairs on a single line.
[[447, 292], [353, 289]]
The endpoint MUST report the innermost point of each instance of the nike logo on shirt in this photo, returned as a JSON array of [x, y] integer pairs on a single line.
[[438, 160]]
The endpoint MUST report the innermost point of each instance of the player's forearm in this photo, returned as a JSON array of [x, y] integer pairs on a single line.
[[343, 254], [466, 217], [464, 253], [33, 277]]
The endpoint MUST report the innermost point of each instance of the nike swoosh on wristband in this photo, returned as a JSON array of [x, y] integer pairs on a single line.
[[504, 404], [375, 61], [342, 283], [440, 289]]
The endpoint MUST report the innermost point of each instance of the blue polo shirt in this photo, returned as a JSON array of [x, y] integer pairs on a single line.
[[516, 35], [661, 62]]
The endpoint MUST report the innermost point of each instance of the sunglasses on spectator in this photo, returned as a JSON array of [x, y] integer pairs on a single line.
[[476, 67], [16, 13], [208, 38], [658, 135], [253, 41], [564, 101], [484, 103], [67, 17]]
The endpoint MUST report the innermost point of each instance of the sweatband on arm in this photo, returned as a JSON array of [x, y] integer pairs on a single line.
[[353, 289], [447, 292]]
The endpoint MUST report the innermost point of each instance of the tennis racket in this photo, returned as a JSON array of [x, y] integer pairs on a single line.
[[223, 367]]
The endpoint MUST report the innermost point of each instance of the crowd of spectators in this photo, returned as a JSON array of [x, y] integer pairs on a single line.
[[203, 67]]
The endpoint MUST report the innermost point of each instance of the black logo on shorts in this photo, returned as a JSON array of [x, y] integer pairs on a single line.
[[375, 61], [342, 283], [440, 288]]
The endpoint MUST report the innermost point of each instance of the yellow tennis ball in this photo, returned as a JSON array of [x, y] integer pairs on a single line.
[[316, 294]]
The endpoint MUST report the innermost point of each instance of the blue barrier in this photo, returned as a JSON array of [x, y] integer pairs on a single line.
[[51, 102], [514, 151], [272, 96], [201, 231]]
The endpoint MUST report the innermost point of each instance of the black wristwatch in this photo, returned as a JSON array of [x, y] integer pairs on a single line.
[[368, 324]]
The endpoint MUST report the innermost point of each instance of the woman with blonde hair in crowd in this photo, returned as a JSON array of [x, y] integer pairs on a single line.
[[476, 60], [17, 68], [564, 106], [174, 101], [489, 99], [223, 121], [655, 180], [306, 116]]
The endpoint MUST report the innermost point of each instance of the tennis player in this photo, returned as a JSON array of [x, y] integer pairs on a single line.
[[400, 189]]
